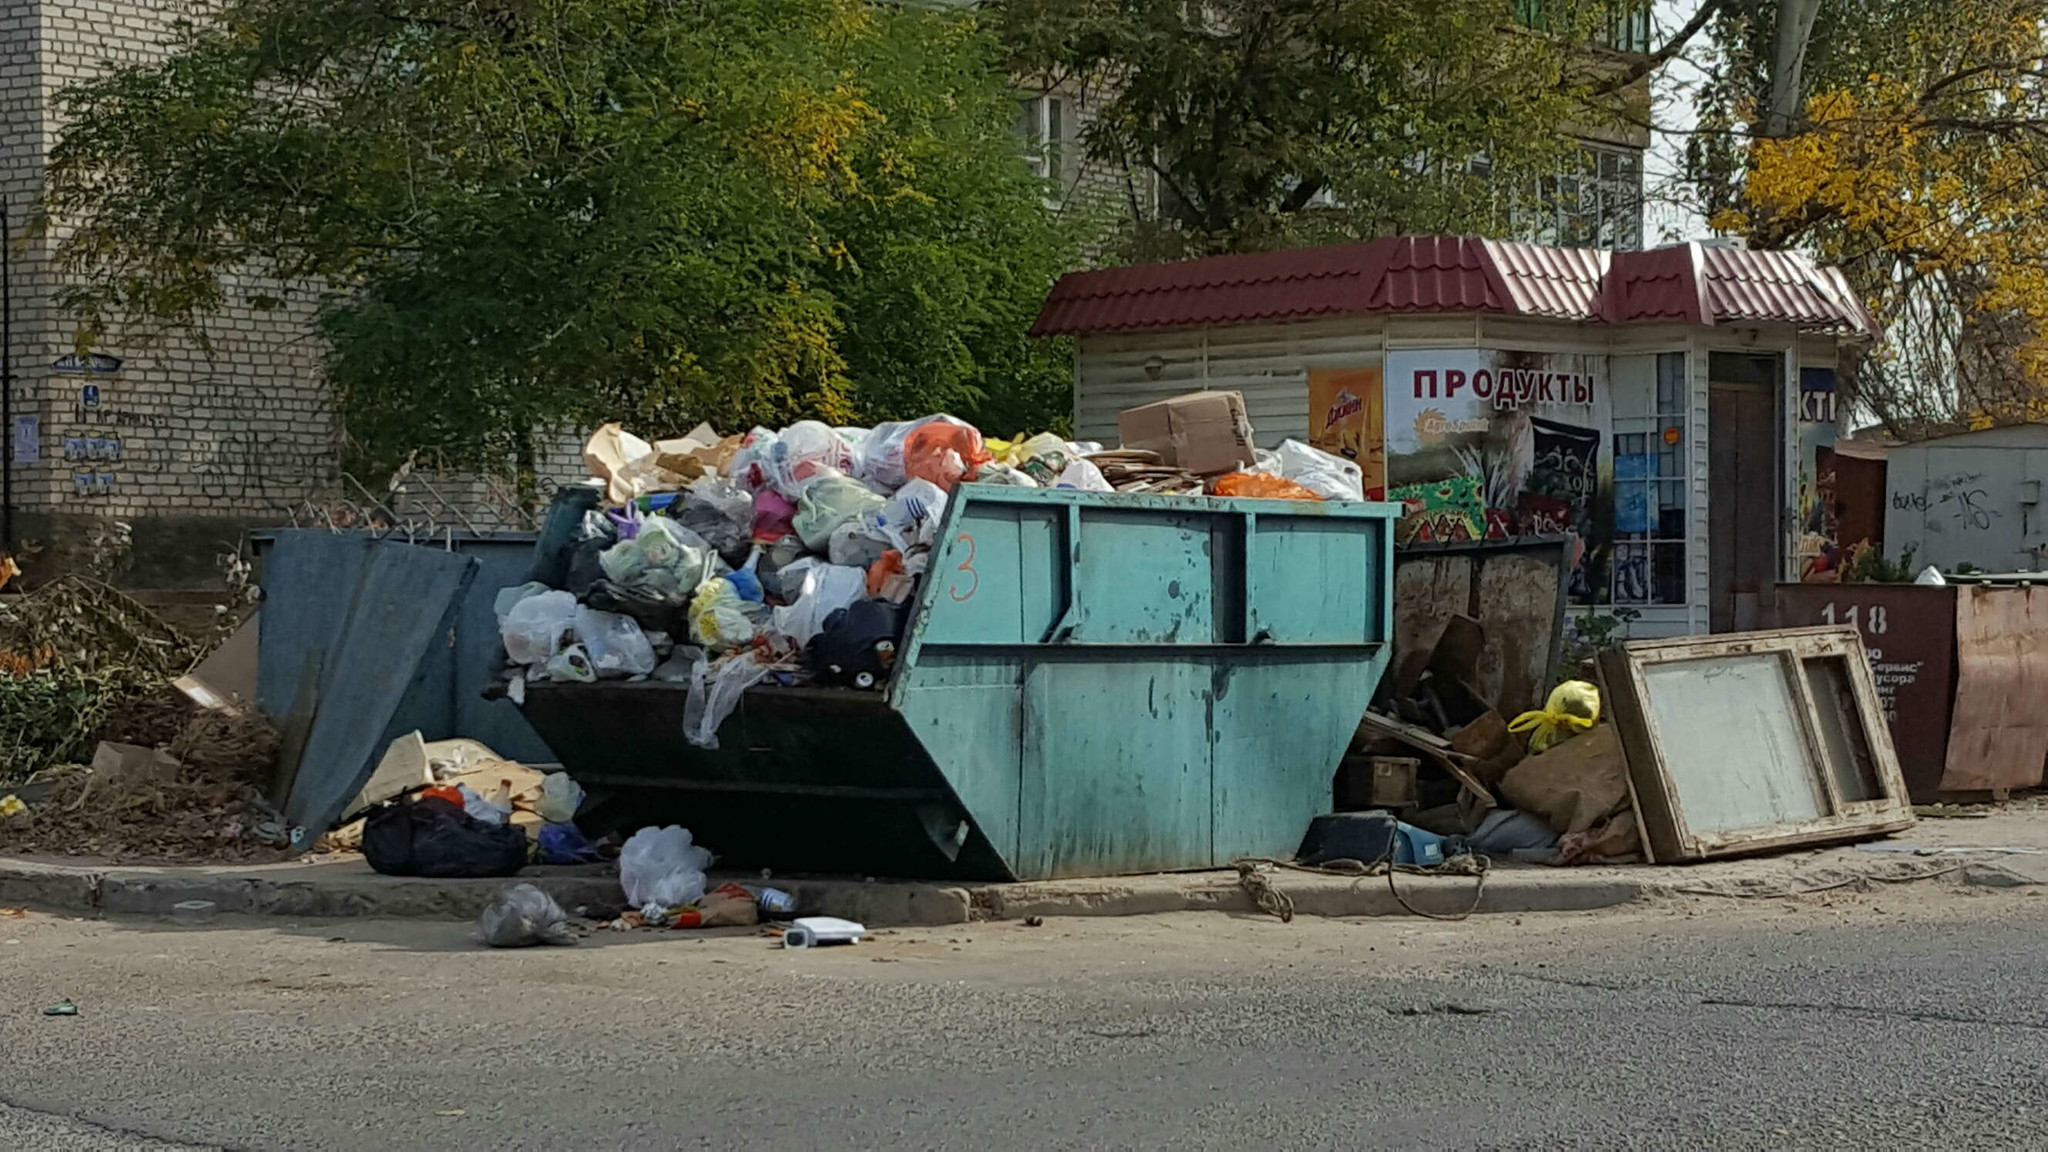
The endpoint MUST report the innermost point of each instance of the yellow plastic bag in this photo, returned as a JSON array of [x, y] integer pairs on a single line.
[[1573, 707], [720, 620]]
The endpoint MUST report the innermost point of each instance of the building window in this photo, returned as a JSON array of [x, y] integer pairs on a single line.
[[1627, 29], [1599, 204], [1650, 494], [1042, 127]]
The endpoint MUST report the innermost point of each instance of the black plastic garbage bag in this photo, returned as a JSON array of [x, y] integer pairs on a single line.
[[649, 610], [431, 837], [858, 645], [595, 534]]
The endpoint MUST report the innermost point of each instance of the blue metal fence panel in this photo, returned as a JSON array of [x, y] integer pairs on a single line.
[[403, 607], [308, 576]]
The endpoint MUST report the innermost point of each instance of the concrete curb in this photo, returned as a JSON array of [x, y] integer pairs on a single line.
[[311, 891], [325, 890], [1313, 894]]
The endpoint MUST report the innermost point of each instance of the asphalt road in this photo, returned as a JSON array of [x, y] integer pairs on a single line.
[[1912, 1019]]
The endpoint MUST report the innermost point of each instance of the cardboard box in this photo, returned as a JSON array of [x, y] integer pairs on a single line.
[[1202, 432]]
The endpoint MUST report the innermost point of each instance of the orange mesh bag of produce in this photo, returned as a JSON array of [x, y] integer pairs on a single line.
[[1259, 486]]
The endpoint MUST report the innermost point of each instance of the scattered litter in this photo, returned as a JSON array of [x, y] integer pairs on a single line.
[[523, 915], [61, 1008], [819, 931], [194, 911]]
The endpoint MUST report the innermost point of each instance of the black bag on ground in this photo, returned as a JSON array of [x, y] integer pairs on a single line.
[[858, 645], [431, 837]]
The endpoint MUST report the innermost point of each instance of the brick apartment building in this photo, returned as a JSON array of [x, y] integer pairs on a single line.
[[189, 446]]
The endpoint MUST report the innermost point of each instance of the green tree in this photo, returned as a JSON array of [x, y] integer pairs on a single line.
[[519, 214], [1265, 123], [1907, 142]]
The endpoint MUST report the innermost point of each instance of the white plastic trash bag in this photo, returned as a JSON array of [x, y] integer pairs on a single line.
[[1328, 476], [856, 544], [715, 690], [826, 589], [827, 503], [806, 451], [617, 646], [509, 598], [1084, 476], [571, 664], [523, 915], [533, 627], [880, 458], [661, 868], [560, 796], [749, 465], [911, 516]]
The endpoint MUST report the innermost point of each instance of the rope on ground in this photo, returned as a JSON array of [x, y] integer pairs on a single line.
[[1252, 875], [1764, 893]]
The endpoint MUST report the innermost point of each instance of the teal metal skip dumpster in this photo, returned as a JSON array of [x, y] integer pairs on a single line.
[[1089, 684]]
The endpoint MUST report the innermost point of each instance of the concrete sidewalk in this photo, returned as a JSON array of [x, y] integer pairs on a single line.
[[2007, 849]]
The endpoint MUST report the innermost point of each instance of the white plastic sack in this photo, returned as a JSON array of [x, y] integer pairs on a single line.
[[617, 646], [665, 560], [659, 866], [480, 807], [806, 451], [509, 598], [523, 915], [571, 664], [715, 690], [559, 798], [534, 626], [911, 517], [1083, 476], [748, 467], [1328, 476], [881, 455], [856, 544], [827, 503], [826, 589]]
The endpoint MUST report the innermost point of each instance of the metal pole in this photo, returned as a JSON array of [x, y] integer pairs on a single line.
[[6, 379]]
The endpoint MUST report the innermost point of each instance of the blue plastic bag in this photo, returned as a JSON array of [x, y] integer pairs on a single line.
[[564, 844]]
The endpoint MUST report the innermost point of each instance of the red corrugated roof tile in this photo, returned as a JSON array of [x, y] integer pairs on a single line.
[[1691, 283]]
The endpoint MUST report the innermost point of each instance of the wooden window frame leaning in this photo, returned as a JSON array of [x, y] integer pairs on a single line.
[[1666, 836]]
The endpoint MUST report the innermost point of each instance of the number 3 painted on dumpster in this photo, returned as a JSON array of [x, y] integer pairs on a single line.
[[966, 566]]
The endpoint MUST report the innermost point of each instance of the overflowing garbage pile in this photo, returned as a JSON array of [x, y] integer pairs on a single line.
[[456, 808], [793, 555], [1452, 775]]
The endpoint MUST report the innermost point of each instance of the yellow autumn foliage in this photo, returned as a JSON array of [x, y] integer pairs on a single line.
[[1939, 165]]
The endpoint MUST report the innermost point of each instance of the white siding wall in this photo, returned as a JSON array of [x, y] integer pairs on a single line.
[[1269, 364]]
